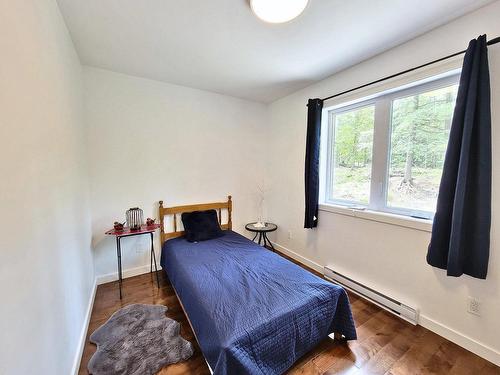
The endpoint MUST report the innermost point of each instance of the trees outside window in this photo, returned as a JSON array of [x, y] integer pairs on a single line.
[[419, 136], [407, 131], [353, 145]]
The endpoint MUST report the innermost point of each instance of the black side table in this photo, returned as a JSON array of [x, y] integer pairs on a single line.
[[262, 233]]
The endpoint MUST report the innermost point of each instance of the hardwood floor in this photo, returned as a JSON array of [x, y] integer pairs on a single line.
[[385, 345]]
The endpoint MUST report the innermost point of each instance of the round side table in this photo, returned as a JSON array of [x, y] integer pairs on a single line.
[[262, 233]]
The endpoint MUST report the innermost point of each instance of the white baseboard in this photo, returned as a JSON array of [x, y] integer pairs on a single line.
[[460, 339], [448, 333], [102, 279], [83, 333], [292, 254], [98, 281]]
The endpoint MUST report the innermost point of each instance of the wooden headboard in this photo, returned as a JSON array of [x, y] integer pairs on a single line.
[[177, 210]]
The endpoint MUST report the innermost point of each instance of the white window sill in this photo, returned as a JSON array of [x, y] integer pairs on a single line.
[[381, 217]]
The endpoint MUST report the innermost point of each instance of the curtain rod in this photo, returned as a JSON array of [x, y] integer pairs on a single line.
[[489, 43]]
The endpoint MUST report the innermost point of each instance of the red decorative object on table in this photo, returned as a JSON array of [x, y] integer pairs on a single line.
[[118, 226]]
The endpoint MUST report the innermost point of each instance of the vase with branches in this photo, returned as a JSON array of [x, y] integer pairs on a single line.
[[261, 194]]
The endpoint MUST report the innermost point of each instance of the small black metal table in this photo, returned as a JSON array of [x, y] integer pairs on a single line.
[[127, 232], [262, 233]]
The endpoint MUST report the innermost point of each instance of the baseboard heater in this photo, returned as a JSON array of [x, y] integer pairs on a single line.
[[390, 304]]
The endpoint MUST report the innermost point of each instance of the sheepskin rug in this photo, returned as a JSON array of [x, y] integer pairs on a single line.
[[138, 340]]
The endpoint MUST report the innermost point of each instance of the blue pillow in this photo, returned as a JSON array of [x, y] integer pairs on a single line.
[[201, 225]]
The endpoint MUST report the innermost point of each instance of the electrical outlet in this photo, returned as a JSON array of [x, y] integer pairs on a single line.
[[289, 234], [474, 306]]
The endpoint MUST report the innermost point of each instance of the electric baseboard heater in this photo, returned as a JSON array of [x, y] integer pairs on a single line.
[[405, 312]]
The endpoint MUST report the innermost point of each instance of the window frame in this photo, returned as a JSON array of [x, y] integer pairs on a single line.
[[382, 131], [330, 149]]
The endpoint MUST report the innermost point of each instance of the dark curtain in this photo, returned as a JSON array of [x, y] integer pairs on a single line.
[[461, 231], [314, 108]]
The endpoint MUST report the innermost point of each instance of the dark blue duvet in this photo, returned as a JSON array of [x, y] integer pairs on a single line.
[[253, 312]]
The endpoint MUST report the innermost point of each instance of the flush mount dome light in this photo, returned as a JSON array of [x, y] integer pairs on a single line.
[[278, 11]]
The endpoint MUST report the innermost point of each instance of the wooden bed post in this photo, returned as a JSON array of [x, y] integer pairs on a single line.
[[229, 210], [162, 226]]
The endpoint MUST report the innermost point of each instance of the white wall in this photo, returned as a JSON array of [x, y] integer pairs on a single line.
[[387, 257], [46, 269], [152, 141], [139, 139]]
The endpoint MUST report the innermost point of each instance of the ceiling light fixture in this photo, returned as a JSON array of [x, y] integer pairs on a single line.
[[278, 11]]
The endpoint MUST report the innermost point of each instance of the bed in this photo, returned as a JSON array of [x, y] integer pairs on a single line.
[[251, 310]]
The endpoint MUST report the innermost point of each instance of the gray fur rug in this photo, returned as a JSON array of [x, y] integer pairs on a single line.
[[137, 340]]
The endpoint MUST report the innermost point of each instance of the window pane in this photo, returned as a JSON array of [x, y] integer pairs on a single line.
[[419, 136], [352, 155]]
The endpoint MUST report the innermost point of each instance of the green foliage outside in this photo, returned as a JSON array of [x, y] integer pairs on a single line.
[[420, 129], [419, 137], [354, 137]]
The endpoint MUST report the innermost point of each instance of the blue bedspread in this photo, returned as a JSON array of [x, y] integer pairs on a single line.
[[253, 311]]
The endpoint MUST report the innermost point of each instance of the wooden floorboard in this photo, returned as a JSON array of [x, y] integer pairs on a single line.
[[386, 345]]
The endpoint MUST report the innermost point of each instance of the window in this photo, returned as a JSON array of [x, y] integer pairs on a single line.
[[352, 145], [386, 153]]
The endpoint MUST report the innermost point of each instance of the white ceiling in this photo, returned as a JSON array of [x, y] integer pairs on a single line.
[[218, 45]]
